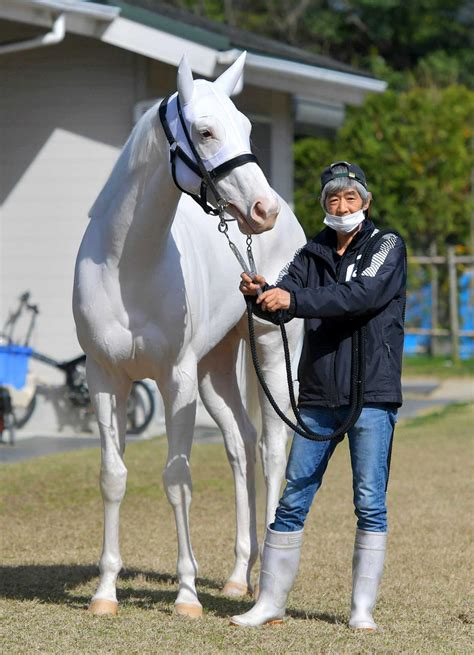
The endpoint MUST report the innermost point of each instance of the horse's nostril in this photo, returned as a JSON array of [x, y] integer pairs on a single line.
[[264, 210], [259, 211]]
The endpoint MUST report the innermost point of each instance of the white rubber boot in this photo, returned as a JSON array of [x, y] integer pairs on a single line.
[[280, 560], [367, 569]]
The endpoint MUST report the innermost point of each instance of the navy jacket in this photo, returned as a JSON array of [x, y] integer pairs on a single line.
[[325, 292]]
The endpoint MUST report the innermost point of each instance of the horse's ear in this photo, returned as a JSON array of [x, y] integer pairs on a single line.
[[229, 80], [185, 81]]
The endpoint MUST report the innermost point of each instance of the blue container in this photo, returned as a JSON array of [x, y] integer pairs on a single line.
[[466, 311], [418, 314], [14, 365]]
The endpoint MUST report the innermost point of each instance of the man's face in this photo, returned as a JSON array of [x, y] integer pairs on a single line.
[[345, 202]]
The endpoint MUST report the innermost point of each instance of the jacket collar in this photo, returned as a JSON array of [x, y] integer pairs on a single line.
[[325, 242]]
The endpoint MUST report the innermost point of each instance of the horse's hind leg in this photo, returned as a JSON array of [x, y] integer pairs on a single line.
[[109, 397], [179, 393], [221, 396]]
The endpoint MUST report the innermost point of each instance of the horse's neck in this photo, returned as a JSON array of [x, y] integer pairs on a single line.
[[141, 196], [275, 249]]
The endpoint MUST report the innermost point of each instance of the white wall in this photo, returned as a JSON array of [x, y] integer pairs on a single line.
[[65, 112]]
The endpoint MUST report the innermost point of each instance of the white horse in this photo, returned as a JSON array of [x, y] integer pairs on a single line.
[[156, 296]]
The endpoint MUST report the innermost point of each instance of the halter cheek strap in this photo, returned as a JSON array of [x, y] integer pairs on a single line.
[[197, 166]]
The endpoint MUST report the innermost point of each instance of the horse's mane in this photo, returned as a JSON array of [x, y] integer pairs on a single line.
[[143, 138], [137, 152]]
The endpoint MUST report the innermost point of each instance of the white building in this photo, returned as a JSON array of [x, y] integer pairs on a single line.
[[74, 76]]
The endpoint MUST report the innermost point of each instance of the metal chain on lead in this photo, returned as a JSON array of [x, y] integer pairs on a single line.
[[253, 268], [223, 228]]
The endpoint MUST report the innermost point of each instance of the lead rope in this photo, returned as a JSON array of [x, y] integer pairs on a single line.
[[357, 385], [357, 358], [249, 268], [208, 180], [301, 428]]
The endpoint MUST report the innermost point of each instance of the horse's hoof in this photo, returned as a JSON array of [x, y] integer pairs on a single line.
[[103, 607], [235, 589], [188, 609]]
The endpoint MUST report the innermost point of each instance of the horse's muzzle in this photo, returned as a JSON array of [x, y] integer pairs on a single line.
[[264, 213]]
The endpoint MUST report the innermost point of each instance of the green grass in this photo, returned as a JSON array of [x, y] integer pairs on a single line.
[[442, 367], [51, 526]]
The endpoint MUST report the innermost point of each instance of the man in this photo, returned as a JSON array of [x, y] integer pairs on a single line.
[[323, 286]]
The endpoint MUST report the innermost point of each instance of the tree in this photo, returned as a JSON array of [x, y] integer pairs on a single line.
[[416, 148], [372, 34], [415, 141]]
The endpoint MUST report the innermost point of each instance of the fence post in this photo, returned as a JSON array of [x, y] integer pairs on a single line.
[[434, 299], [453, 304]]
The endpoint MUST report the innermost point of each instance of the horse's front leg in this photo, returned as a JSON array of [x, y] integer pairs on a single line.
[[179, 393], [221, 396], [109, 398]]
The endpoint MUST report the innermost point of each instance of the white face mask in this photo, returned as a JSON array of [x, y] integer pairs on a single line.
[[344, 224]]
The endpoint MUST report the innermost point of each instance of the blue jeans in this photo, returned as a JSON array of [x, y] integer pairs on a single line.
[[370, 444]]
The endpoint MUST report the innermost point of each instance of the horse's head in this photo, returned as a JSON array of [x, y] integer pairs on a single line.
[[220, 135]]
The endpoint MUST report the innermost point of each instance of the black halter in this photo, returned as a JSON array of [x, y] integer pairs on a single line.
[[207, 177]]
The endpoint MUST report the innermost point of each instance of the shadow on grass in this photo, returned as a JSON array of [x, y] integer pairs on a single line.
[[47, 583], [56, 584], [325, 617]]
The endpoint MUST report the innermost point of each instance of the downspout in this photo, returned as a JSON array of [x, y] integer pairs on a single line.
[[57, 33]]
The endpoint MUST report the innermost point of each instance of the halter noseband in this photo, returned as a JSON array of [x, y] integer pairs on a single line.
[[207, 177]]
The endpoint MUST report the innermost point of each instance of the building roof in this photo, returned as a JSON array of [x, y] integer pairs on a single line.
[[164, 33], [220, 36]]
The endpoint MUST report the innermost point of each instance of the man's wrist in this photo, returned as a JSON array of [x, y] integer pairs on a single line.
[[292, 306]]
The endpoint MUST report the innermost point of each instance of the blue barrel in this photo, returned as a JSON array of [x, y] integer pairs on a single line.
[[14, 365]]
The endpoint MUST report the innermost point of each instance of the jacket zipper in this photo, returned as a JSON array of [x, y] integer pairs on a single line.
[[335, 389], [334, 394]]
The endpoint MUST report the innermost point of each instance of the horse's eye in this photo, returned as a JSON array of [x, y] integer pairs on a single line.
[[206, 134]]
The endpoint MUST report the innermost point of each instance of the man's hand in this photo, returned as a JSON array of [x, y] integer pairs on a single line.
[[249, 287], [271, 300], [274, 299]]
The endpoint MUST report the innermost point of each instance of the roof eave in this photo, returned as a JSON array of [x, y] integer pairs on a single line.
[[161, 46], [39, 12], [104, 23], [303, 79], [267, 72]]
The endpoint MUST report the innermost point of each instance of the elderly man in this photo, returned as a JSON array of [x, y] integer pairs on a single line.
[[323, 286]]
